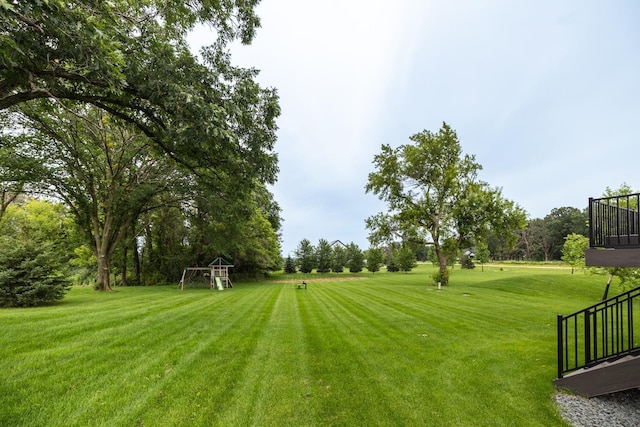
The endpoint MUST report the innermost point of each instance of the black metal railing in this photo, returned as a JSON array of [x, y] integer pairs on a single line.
[[614, 222], [606, 330]]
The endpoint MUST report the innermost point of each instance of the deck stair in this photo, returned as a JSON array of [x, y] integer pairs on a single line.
[[607, 377], [599, 346]]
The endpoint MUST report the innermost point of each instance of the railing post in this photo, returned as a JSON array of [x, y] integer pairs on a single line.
[[630, 322], [587, 337], [591, 224], [560, 347]]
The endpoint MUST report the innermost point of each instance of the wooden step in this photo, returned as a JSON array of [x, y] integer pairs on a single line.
[[603, 378]]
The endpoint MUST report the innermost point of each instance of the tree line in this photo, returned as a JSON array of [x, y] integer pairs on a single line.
[[337, 257], [160, 158]]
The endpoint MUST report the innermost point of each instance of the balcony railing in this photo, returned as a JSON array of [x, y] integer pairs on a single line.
[[614, 222], [606, 330]]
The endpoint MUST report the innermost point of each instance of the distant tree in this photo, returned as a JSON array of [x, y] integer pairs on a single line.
[[392, 265], [422, 252], [374, 259], [405, 258], [482, 253], [466, 262], [573, 250], [323, 256], [355, 258], [289, 266], [306, 255], [434, 196], [338, 259], [562, 222]]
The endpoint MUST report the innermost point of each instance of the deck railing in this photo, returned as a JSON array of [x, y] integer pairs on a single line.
[[606, 330], [614, 222]]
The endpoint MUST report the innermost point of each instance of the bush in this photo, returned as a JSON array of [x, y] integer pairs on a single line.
[[467, 262], [29, 274], [440, 278], [290, 266]]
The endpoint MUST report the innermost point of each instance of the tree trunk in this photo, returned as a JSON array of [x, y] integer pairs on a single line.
[[123, 277], [104, 263], [136, 262]]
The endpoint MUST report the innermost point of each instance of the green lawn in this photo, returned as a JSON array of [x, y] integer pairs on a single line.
[[387, 349]]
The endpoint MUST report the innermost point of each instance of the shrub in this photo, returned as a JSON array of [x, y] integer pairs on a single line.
[[29, 274], [467, 262], [289, 266], [441, 278]]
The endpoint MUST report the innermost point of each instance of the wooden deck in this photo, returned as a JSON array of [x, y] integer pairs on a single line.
[[604, 378], [612, 257]]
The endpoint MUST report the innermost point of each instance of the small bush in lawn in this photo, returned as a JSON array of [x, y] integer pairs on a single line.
[[443, 278], [467, 262], [290, 266], [29, 274]]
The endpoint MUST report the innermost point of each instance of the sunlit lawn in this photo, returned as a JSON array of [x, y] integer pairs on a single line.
[[387, 349]]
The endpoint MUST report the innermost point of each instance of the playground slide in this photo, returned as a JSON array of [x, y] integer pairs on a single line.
[[218, 283]]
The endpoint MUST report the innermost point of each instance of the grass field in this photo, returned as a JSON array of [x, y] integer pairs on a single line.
[[384, 350]]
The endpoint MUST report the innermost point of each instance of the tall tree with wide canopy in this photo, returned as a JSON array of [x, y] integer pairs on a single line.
[[130, 58], [102, 169], [435, 197]]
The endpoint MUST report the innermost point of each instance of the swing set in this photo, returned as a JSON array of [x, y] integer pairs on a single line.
[[216, 274]]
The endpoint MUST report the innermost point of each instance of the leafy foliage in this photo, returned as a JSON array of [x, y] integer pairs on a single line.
[[355, 258], [338, 259], [130, 58], [306, 255], [374, 259], [324, 253], [405, 259], [573, 250], [435, 197], [29, 273], [289, 265]]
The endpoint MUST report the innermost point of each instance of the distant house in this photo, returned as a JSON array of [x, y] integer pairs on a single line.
[[338, 242]]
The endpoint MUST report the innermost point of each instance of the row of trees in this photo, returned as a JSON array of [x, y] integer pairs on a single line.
[[154, 153], [327, 257]]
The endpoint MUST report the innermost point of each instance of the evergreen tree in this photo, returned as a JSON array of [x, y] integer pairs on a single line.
[[339, 258], [306, 255], [289, 266], [323, 256], [355, 258]]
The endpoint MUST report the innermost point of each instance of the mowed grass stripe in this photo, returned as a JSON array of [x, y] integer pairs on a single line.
[[351, 346], [144, 352], [384, 350]]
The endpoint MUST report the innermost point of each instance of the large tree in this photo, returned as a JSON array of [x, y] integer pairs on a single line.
[[130, 58], [435, 197], [102, 169]]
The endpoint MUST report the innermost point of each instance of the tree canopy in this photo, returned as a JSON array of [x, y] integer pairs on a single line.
[[130, 58], [435, 197], [69, 70]]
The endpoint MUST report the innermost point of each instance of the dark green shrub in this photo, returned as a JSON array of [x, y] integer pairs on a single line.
[[467, 262], [29, 274], [289, 266]]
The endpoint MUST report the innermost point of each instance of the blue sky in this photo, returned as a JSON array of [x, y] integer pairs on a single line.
[[545, 94]]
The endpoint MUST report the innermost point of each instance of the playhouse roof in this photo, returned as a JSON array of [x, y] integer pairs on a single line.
[[220, 261]]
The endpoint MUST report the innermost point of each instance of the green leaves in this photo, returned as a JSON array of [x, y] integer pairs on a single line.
[[435, 197]]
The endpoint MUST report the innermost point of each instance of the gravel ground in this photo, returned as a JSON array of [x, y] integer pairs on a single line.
[[620, 409]]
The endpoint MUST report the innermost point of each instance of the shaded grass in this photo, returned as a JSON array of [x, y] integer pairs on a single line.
[[385, 350]]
